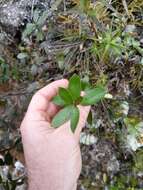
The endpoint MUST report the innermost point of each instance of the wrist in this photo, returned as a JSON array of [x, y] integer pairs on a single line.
[[54, 185]]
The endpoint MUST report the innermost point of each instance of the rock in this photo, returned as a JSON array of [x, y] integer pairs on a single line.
[[113, 165], [4, 172], [22, 187], [11, 18], [130, 28], [33, 87], [19, 170], [102, 158], [87, 139], [14, 14], [1, 187], [19, 166], [11, 15]]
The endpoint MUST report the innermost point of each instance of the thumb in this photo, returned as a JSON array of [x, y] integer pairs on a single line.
[[84, 111]]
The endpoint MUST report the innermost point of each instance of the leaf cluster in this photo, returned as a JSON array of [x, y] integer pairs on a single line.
[[35, 27], [107, 45], [71, 97]]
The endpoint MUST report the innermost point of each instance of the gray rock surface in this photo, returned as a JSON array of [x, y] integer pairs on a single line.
[[102, 157], [14, 14]]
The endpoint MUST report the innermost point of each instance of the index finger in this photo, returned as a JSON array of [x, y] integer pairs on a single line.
[[42, 98]]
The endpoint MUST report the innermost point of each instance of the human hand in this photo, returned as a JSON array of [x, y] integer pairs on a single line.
[[52, 155]]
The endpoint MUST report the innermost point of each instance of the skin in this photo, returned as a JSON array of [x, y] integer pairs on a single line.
[[52, 156]]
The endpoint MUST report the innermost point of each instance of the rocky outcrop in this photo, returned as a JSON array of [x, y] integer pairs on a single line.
[[14, 14]]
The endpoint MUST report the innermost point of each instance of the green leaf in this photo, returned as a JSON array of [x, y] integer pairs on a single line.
[[39, 36], [55, 5], [74, 86], [58, 101], [85, 85], [89, 118], [1, 60], [7, 185], [93, 96], [62, 116], [74, 118], [30, 27], [65, 95], [84, 5], [22, 55], [42, 18], [36, 16]]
